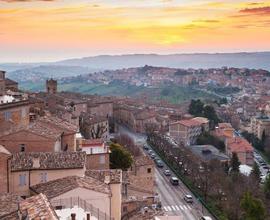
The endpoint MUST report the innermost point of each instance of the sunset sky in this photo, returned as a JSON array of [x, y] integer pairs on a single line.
[[58, 29]]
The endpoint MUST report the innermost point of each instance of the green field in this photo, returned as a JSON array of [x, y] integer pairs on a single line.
[[172, 93]]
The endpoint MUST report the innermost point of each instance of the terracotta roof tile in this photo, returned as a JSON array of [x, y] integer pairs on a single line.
[[57, 187], [47, 160], [38, 207], [8, 204], [188, 123], [238, 144], [143, 160], [112, 176]]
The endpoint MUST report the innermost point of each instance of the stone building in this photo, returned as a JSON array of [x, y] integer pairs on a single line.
[[187, 131], [46, 134], [140, 178], [135, 118], [97, 153], [11, 85], [2, 83], [259, 125], [51, 86], [94, 127], [242, 148], [26, 169], [14, 113], [100, 108]]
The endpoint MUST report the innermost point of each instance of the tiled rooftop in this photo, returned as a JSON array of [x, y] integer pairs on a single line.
[[188, 123], [114, 176], [47, 160], [38, 207], [8, 204], [92, 142], [57, 187], [143, 160], [238, 144]]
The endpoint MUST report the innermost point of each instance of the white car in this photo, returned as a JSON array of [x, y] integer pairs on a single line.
[[167, 172], [188, 198], [205, 218]]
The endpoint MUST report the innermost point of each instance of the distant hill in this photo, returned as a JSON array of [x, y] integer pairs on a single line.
[[258, 60], [40, 73], [35, 72]]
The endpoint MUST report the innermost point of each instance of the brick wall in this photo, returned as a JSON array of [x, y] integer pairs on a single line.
[[18, 115], [3, 173], [32, 142], [70, 141], [93, 162]]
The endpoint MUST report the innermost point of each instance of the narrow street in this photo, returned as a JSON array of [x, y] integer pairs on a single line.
[[172, 197]]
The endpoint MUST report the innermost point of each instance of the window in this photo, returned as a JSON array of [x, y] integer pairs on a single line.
[[149, 170], [43, 177], [7, 116], [102, 159], [22, 179], [22, 147]]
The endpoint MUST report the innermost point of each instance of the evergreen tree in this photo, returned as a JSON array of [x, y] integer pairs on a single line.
[[120, 158], [253, 208], [235, 163], [266, 187]]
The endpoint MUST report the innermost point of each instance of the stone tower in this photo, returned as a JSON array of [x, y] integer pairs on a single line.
[[51, 86], [2, 82]]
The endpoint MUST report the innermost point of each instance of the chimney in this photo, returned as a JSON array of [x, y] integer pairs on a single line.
[[73, 216], [88, 216]]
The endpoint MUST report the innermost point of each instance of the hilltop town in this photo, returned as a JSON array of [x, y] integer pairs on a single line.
[[82, 156]]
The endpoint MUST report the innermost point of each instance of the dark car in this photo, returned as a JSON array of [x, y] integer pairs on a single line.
[[145, 147], [160, 164]]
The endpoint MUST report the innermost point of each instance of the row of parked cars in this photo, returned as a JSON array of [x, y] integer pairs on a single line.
[[173, 180]]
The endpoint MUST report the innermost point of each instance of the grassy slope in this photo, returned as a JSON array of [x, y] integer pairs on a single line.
[[172, 93]]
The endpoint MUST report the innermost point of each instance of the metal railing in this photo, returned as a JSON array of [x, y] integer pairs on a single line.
[[77, 201]]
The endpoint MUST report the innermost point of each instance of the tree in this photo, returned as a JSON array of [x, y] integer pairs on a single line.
[[266, 187], [206, 138], [255, 173], [235, 163], [120, 158], [253, 208], [196, 107], [210, 113]]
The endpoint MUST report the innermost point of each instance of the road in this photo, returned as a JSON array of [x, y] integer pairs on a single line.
[[171, 196]]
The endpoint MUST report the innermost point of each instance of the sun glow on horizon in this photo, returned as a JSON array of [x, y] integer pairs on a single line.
[[40, 29]]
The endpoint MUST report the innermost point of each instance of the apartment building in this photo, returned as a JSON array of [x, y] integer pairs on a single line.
[[47, 134], [242, 148], [187, 131], [260, 124]]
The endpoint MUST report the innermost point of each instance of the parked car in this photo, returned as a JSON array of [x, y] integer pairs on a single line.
[[174, 180], [160, 164], [265, 167], [145, 147], [167, 172], [205, 218], [150, 152], [152, 156], [188, 198]]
